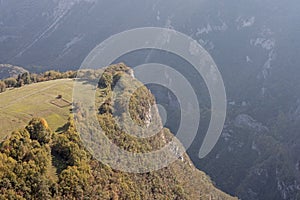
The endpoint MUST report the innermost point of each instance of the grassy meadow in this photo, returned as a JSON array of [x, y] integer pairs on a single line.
[[19, 105]]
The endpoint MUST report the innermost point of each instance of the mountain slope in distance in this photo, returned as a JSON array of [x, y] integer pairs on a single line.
[[7, 71]]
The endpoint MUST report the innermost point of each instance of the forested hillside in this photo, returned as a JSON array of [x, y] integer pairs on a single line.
[[38, 163]]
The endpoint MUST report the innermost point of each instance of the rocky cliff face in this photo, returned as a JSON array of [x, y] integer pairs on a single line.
[[262, 160], [120, 99]]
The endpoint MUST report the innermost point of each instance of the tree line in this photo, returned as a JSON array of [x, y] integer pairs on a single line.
[[28, 78]]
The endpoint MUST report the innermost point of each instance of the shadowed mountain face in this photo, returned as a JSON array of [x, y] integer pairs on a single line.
[[61, 33], [254, 43]]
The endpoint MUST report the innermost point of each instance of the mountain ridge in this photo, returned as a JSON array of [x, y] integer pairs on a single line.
[[66, 170]]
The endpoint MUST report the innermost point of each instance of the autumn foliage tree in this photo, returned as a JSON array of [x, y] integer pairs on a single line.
[[39, 130]]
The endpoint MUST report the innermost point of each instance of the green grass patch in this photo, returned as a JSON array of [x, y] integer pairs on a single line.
[[19, 105]]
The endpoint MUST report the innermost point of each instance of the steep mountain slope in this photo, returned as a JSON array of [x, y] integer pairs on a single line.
[[262, 162], [252, 30], [254, 43], [37, 163]]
